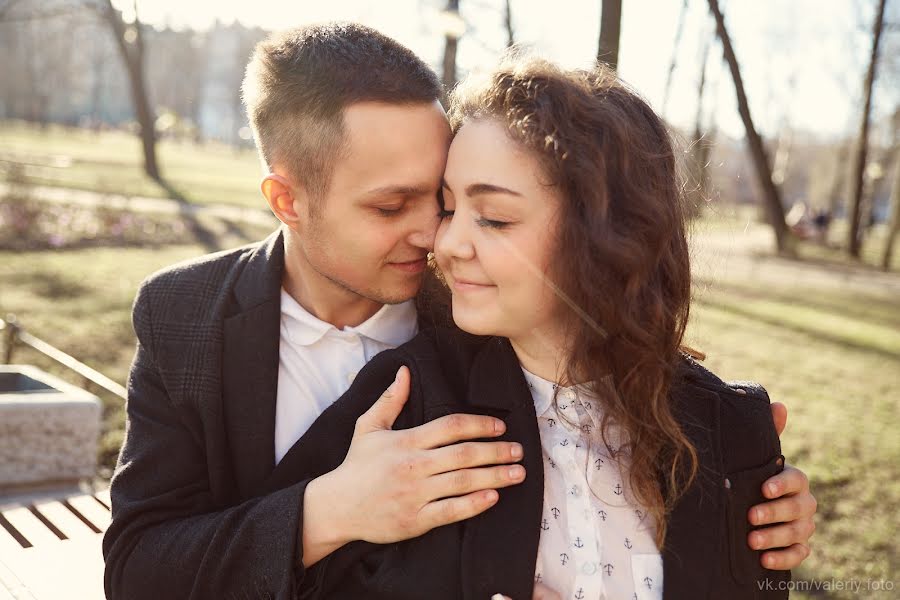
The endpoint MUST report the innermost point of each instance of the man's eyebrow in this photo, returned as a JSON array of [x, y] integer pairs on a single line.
[[400, 190]]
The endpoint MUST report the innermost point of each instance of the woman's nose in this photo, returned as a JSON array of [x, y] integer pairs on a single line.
[[453, 239]]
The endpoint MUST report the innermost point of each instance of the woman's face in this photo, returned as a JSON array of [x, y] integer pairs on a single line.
[[497, 237]]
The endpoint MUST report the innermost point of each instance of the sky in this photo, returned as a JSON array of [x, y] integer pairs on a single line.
[[802, 61]]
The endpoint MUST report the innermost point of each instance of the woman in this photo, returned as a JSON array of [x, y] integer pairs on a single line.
[[563, 245]]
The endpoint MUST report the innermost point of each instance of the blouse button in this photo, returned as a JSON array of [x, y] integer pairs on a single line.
[[568, 394], [588, 568]]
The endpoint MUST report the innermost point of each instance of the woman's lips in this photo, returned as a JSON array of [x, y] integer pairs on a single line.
[[413, 266], [461, 285]]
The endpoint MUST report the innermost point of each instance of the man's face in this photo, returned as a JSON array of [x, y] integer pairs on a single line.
[[377, 223]]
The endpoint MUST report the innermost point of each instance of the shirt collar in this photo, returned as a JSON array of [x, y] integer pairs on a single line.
[[542, 392], [392, 325]]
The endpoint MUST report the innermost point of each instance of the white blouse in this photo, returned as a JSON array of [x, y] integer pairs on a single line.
[[596, 541]]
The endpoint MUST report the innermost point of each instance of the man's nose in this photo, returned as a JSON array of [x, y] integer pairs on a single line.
[[422, 236]]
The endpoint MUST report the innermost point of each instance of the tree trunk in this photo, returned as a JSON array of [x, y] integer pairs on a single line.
[[133, 59], [702, 146], [771, 193], [450, 45], [894, 226], [854, 233], [507, 21], [610, 25], [837, 186], [675, 46]]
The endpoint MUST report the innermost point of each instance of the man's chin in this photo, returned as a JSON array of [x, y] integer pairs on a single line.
[[397, 294]]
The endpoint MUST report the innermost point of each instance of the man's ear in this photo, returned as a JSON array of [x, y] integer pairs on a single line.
[[282, 198]]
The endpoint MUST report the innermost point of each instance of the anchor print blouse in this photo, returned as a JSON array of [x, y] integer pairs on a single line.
[[596, 541]]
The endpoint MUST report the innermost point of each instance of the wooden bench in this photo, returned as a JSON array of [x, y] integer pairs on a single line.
[[50, 546]]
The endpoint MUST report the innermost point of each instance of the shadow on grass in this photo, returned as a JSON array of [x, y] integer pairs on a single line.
[[47, 285], [830, 258], [204, 236], [819, 335], [857, 305]]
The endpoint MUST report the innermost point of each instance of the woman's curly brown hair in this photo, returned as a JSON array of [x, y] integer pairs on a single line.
[[621, 261]]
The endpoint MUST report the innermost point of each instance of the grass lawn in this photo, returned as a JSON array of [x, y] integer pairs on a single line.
[[822, 336], [80, 302], [112, 162]]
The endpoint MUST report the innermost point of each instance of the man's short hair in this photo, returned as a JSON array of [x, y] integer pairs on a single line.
[[299, 81]]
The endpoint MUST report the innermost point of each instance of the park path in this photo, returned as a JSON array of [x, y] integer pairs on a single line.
[[717, 254], [745, 253], [140, 204]]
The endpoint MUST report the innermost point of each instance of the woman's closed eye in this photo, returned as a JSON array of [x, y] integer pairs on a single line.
[[482, 222]]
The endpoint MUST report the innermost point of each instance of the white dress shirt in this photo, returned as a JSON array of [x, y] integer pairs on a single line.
[[596, 541], [317, 362]]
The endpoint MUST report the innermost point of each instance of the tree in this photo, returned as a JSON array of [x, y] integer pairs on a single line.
[[702, 143], [130, 43], [507, 22], [675, 46], [610, 26], [451, 40], [854, 234], [894, 225], [771, 193]]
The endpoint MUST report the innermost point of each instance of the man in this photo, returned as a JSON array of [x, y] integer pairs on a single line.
[[240, 351]]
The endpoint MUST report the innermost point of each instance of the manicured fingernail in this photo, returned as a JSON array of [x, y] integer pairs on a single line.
[[756, 540], [516, 451], [760, 515], [499, 426], [769, 562], [516, 472], [491, 495], [773, 489]]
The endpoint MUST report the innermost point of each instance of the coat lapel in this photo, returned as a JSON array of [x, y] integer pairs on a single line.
[[694, 535], [250, 366], [499, 546]]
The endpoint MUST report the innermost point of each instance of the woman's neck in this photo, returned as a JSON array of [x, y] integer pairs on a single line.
[[543, 354]]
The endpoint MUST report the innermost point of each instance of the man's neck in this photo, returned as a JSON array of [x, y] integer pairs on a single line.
[[321, 297]]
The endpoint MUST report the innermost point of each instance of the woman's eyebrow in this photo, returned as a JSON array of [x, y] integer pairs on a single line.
[[478, 189]]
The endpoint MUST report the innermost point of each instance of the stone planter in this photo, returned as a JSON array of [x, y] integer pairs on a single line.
[[49, 430]]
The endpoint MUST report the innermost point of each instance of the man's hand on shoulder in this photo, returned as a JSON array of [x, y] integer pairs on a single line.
[[789, 513], [397, 485]]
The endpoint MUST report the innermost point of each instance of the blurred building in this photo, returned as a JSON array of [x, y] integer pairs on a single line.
[[64, 67]]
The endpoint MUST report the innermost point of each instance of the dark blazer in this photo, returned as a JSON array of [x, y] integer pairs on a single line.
[[706, 553], [189, 519], [199, 511], [192, 517]]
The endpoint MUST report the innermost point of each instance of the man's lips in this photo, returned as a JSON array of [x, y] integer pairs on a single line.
[[411, 266]]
